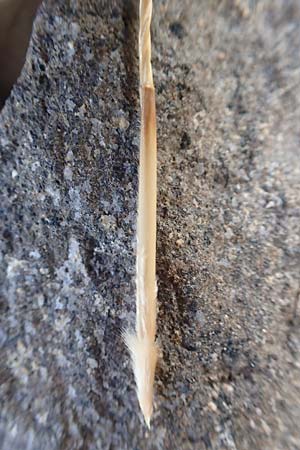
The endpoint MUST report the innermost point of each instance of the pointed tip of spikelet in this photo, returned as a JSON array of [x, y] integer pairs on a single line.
[[144, 357]]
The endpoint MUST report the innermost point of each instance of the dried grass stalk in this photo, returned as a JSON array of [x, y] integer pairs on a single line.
[[142, 344]]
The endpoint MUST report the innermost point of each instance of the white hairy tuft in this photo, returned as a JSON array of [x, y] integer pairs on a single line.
[[144, 357]]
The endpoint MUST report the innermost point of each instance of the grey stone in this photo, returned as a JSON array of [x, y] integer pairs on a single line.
[[227, 78]]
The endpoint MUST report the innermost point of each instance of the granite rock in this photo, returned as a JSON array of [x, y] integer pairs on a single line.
[[227, 76]]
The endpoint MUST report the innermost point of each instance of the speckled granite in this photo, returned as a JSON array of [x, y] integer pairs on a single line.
[[227, 76]]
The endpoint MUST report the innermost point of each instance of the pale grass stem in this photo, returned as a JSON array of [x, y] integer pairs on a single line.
[[142, 345]]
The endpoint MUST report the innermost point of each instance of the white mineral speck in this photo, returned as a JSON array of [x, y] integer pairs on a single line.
[[75, 30], [70, 50], [92, 363], [123, 123], [68, 174], [35, 254], [70, 156]]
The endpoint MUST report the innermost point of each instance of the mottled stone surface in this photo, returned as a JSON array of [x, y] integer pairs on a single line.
[[228, 101]]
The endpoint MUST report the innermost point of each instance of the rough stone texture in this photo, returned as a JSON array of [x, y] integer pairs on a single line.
[[228, 101]]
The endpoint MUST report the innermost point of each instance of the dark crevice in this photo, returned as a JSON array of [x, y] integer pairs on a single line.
[[16, 19]]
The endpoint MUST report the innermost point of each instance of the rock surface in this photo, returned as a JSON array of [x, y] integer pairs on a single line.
[[227, 76]]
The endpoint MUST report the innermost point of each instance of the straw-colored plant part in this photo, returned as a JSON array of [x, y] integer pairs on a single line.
[[142, 344]]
